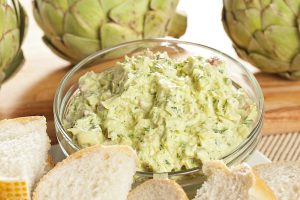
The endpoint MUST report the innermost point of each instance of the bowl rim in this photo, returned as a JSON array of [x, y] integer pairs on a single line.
[[257, 90]]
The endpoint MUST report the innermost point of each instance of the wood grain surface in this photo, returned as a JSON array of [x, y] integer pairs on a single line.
[[31, 90]]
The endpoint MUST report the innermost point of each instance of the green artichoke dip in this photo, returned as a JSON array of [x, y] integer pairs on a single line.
[[176, 113]]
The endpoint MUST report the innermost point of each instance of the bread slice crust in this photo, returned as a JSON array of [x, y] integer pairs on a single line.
[[158, 183], [254, 187], [282, 177], [17, 131], [85, 152]]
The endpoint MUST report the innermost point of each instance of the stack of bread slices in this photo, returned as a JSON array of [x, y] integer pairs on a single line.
[[107, 173]]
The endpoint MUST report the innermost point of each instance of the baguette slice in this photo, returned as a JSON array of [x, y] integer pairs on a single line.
[[24, 146], [158, 189], [100, 173], [283, 178], [239, 182]]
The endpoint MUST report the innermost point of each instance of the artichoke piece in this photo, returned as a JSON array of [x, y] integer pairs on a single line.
[[112, 34]]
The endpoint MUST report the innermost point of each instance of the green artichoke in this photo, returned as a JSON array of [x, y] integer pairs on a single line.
[[13, 23], [76, 28], [266, 33]]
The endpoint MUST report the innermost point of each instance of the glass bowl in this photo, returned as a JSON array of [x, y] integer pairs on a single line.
[[190, 179]]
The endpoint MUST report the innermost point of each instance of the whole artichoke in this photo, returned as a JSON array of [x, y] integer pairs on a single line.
[[266, 33], [13, 23], [76, 28]]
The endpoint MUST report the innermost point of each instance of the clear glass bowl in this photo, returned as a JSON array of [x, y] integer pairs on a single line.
[[190, 179]]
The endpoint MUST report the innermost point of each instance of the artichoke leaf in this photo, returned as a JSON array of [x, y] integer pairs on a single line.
[[278, 13], [17, 8], [130, 14], [83, 46], [37, 16], [107, 5], [23, 24], [284, 40], [62, 4], [256, 47], [52, 18], [233, 5], [2, 17], [256, 4], [237, 31], [295, 65], [155, 24], [178, 24], [2, 76], [242, 53], [268, 64], [165, 5], [294, 75], [9, 46], [58, 4], [264, 43], [57, 46], [241, 5], [112, 34], [294, 5], [224, 22], [252, 4], [265, 3], [251, 18], [8, 19], [84, 19], [298, 23], [14, 65]]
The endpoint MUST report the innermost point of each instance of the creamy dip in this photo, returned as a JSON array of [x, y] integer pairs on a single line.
[[176, 113]]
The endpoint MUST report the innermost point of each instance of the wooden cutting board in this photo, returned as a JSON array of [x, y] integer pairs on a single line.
[[31, 90]]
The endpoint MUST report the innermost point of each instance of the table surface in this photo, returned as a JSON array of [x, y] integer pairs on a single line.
[[31, 90]]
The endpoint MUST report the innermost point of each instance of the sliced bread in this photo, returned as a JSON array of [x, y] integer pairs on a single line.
[[283, 178], [93, 173], [24, 146], [238, 182], [158, 189]]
